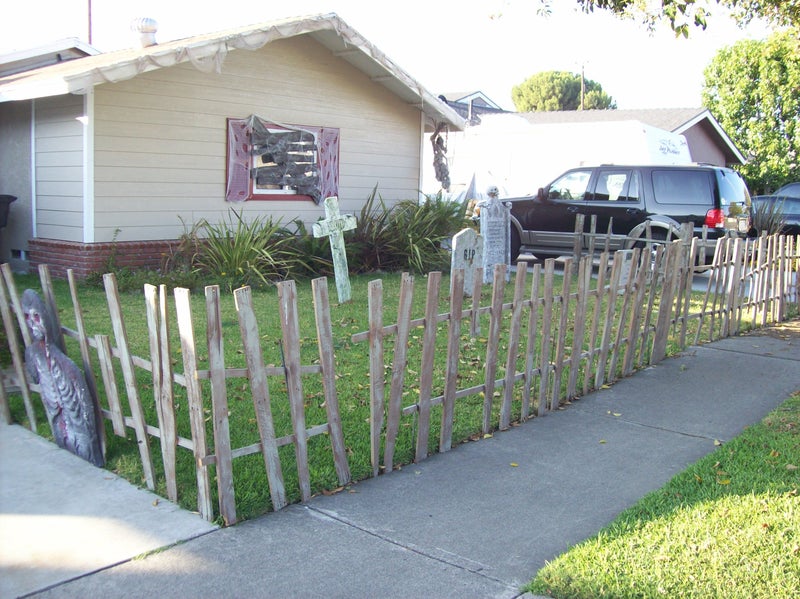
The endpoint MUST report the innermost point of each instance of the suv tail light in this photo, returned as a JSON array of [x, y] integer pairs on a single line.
[[715, 218]]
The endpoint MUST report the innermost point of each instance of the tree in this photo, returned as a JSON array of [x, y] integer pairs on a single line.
[[752, 89], [559, 90], [684, 14]]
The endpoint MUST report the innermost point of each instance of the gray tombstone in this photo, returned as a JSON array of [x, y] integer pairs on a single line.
[[495, 223], [467, 254], [626, 267]]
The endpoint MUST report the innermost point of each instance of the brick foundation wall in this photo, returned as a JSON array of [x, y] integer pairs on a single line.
[[87, 258]]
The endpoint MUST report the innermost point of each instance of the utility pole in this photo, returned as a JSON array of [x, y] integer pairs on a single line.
[[583, 84], [89, 24]]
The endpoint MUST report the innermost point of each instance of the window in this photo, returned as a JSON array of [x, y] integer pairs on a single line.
[[683, 187], [616, 186], [268, 160], [571, 186]]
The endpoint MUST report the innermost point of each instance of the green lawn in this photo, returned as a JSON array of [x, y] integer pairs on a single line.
[[352, 365], [729, 526]]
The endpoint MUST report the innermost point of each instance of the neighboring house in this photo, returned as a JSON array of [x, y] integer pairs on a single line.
[[121, 152], [520, 152], [471, 105]]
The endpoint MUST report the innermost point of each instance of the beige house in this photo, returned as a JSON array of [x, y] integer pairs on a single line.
[[124, 150]]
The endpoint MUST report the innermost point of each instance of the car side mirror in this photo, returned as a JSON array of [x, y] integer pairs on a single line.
[[540, 195]]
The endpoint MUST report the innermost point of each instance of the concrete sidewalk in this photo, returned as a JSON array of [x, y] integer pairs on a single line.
[[478, 521]]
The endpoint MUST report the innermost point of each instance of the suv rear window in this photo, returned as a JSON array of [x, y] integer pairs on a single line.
[[682, 187], [732, 189]]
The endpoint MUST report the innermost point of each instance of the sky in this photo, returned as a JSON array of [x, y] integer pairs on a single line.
[[447, 45]]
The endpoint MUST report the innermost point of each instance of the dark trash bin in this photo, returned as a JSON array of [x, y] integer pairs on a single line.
[[5, 202]]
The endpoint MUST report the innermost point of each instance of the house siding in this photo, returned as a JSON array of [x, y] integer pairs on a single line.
[[15, 180], [703, 148], [58, 158], [160, 138]]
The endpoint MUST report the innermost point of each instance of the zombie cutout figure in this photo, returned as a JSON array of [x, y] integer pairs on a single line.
[[71, 411]]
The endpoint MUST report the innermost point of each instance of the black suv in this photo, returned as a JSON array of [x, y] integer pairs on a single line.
[[664, 196]]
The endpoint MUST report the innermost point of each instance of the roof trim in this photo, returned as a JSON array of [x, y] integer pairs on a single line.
[[207, 53]]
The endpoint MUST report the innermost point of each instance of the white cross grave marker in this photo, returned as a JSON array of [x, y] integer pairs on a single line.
[[333, 227]]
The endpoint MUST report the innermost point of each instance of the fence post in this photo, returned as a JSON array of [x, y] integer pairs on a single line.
[[164, 408], [426, 366], [322, 315], [290, 327], [611, 291], [558, 367], [666, 307], [105, 357], [498, 289], [394, 408], [453, 348], [17, 356], [128, 373], [602, 270], [194, 398], [577, 248], [513, 346], [584, 279], [50, 301], [88, 370], [376, 381], [530, 350], [259, 388], [547, 342], [219, 404]]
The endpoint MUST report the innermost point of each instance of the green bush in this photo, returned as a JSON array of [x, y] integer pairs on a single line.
[[241, 252], [768, 218], [410, 236]]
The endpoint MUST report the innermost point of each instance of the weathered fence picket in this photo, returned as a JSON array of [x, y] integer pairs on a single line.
[[453, 350], [513, 343], [590, 329], [322, 316], [194, 399], [495, 325], [394, 407], [426, 366], [290, 326], [259, 389], [129, 375], [219, 403]]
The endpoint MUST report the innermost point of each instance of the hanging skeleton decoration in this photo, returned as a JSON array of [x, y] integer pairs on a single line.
[[74, 417], [441, 170]]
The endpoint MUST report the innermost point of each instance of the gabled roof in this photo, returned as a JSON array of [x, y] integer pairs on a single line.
[[677, 120], [477, 97], [41, 56], [207, 52]]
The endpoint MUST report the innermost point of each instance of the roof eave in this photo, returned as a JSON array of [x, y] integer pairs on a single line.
[[208, 52]]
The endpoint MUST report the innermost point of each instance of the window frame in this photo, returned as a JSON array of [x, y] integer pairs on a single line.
[[241, 161]]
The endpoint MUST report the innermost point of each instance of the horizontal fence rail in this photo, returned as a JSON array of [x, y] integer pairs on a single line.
[[561, 335]]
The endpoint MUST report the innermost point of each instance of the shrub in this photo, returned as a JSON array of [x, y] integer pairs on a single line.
[[768, 218], [241, 252], [411, 235]]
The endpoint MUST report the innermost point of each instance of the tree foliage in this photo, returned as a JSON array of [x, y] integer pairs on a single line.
[[682, 15], [559, 90], [752, 89]]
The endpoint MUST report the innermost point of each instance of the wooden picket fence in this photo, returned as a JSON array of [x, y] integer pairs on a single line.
[[552, 342]]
